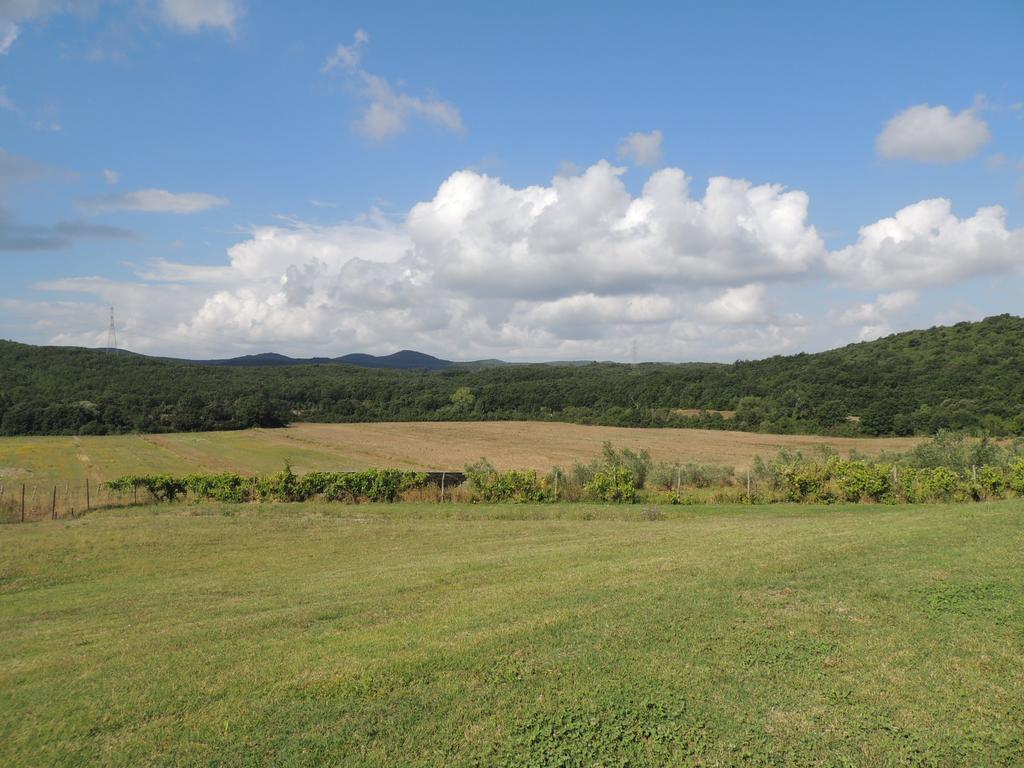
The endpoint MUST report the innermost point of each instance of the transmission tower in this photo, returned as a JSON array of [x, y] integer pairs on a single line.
[[111, 334]]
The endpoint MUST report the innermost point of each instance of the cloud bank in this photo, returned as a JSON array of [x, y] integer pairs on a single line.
[[577, 268]]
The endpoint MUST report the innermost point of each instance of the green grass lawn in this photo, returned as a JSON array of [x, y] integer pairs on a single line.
[[541, 636]]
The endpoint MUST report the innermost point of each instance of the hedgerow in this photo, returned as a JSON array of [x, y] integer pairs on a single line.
[[625, 476], [368, 485]]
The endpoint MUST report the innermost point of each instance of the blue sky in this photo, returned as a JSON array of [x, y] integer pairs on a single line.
[[537, 181]]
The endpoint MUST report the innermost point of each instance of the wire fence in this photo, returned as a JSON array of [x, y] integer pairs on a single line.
[[28, 502], [24, 502]]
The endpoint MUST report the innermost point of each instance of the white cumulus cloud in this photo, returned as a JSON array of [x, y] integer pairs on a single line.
[[641, 148], [933, 134], [881, 309], [744, 304], [587, 233], [927, 244], [577, 268]]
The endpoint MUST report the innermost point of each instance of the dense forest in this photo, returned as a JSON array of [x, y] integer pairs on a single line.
[[966, 376]]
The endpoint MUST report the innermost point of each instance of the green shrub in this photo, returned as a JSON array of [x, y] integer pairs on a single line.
[[282, 486], [613, 485], [992, 481], [857, 480], [940, 484], [1016, 477], [160, 487], [515, 485], [224, 486]]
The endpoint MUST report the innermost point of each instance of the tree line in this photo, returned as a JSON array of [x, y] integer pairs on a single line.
[[965, 377]]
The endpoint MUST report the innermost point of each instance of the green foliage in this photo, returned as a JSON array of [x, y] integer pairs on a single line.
[[940, 483], [636, 464], [918, 476], [613, 484], [960, 453], [667, 475], [514, 485], [1016, 477], [462, 400], [372, 484], [160, 487], [863, 481], [379, 485], [223, 486], [822, 478], [962, 377], [806, 481]]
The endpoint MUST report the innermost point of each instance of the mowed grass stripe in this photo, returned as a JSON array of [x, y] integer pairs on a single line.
[[427, 635]]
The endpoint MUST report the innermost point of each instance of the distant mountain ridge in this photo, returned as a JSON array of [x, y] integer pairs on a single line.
[[404, 360]]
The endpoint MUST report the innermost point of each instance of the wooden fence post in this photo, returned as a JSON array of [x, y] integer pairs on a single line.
[[88, 501], [53, 504], [748, 483], [23, 502], [442, 486]]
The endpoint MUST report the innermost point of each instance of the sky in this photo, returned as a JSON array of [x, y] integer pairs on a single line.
[[525, 181]]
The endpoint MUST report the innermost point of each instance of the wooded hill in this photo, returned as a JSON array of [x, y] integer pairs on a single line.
[[965, 376]]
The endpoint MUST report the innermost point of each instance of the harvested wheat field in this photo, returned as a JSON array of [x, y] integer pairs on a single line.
[[405, 445], [541, 445]]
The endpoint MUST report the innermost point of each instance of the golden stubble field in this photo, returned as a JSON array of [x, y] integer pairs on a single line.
[[406, 445]]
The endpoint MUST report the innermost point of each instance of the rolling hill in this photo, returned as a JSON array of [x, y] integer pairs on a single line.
[[965, 376]]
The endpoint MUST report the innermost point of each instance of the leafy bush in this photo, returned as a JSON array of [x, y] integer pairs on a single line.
[[515, 485], [225, 486], [1016, 477], [860, 480], [371, 484], [160, 487], [613, 485], [992, 481], [637, 463], [939, 484], [667, 476]]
